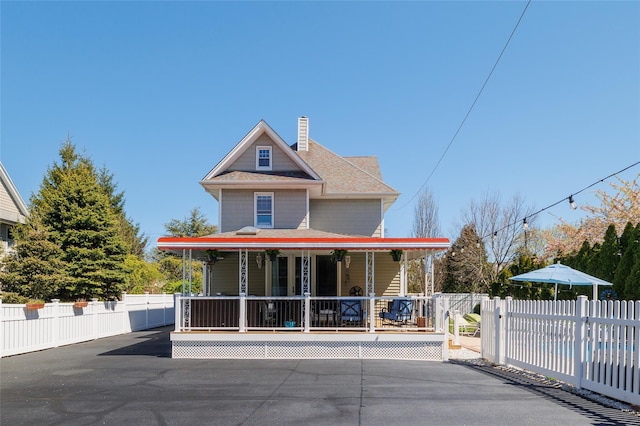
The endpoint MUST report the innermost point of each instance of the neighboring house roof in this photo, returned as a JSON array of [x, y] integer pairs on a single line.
[[13, 209]]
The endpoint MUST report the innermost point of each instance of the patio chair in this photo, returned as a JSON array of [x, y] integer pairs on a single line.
[[351, 312], [465, 327], [474, 319], [399, 312]]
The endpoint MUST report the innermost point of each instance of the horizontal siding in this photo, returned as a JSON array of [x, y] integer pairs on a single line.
[[355, 217], [281, 162], [386, 274], [7, 204], [290, 209], [237, 209], [226, 275]]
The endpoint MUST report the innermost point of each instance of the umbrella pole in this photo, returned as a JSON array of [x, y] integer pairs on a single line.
[[595, 291], [555, 293]]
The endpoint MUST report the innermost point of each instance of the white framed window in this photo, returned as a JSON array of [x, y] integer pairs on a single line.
[[263, 207], [263, 158]]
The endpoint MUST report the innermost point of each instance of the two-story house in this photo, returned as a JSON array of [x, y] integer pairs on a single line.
[[308, 203], [13, 210], [301, 247]]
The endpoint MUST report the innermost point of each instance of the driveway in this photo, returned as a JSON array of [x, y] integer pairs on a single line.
[[130, 379]]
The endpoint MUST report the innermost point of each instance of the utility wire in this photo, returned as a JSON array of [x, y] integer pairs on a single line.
[[469, 110]]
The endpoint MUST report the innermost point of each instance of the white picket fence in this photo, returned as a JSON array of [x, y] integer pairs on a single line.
[[58, 324], [593, 345]]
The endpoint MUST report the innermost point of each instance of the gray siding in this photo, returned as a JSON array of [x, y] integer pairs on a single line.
[[386, 274], [226, 276], [289, 209], [356, 217], [281, 162]]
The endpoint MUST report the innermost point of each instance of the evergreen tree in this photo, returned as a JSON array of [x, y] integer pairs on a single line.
[[626, 261], [608, 258], [632, 282], [135, 241], [194, 225], [34, 268], [77, 213]]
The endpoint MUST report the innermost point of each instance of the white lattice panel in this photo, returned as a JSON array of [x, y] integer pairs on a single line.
[[402, 350], [426, 351], [218, 350]]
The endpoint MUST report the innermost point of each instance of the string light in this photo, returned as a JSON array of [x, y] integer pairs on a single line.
[[570, 198]]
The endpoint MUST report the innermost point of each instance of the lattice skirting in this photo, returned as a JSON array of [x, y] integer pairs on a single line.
[[424, 351]]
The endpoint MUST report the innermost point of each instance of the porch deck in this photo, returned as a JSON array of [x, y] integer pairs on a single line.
[[250, 328]]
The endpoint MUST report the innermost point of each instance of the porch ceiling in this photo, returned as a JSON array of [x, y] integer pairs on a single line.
[[298, 239]]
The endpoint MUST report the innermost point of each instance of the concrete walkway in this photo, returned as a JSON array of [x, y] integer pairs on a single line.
[[131, 379]]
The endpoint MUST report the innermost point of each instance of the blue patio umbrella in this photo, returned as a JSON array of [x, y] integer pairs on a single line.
[[561, 274]]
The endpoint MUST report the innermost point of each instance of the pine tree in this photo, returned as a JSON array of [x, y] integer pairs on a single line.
[[135, 241], [77, 213], [632, 282], [608, 257], [34, 269], [626, 261]]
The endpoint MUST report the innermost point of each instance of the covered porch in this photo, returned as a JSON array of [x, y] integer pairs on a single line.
[[289, 294]]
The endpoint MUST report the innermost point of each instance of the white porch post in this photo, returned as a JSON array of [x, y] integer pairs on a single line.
[[190, 270], [243, 313], [404, 286], [205, 279], [306, 258], [371, 290], [243, 272], [184, 270]]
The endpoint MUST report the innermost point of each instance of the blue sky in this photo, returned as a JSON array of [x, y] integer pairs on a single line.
[[159, 92]]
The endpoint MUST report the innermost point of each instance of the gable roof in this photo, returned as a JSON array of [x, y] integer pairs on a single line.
[[247, 141], [20, 211]]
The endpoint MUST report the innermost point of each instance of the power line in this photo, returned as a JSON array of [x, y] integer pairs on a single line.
[[473, 104]]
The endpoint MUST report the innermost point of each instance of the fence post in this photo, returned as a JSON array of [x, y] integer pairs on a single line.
[[456, 327], [94, 318], [580, 340], [243, 313], [164, 308], [307, 311], [497, 316], [177, 309], [146, 310], [437, 297], [504, 336], [55, 332]]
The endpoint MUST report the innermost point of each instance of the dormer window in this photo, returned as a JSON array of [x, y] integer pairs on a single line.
[[263, 158]]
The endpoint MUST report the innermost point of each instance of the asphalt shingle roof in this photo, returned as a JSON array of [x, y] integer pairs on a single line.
[[341, 175]]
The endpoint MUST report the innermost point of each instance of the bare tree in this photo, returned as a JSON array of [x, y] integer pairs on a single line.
[[501, 229], [425, 225]]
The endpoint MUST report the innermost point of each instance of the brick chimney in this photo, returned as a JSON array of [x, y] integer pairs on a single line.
[[303, 133]]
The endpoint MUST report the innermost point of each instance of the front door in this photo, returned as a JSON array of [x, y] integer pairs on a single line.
[[326, 276]]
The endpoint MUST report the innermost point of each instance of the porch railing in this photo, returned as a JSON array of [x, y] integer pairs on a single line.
[[310, 313]]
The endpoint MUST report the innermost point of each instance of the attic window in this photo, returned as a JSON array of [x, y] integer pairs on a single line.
[[263, 158]]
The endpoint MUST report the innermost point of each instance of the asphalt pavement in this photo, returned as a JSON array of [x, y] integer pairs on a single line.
[[131, 380]]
